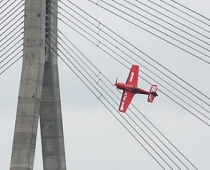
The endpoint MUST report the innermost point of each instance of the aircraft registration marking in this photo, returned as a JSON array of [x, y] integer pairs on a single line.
[[154, 88], [123, 101], [132, 75]]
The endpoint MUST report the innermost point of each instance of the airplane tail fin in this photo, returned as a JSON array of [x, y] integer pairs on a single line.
[[152, 93]]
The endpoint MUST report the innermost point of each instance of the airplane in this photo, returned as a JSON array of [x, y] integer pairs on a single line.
[[130, 89]]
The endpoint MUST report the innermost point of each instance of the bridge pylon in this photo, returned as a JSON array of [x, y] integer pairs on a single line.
[[39, 93]]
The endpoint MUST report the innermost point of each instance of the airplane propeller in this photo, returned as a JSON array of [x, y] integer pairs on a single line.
[[115, 84], [116, 80]]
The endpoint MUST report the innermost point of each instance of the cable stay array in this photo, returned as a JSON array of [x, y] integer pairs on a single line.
[[101, 87], [95, 81], [157, 23], [98, 24], [172, 25], [168, 34], [123, 54], [11, 40], [195, 22], [198, 15], [135, 47]]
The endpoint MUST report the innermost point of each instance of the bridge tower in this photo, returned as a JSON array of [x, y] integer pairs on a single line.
[[39, 94]]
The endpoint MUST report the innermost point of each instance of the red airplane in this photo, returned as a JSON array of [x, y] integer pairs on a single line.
[[130, 89]]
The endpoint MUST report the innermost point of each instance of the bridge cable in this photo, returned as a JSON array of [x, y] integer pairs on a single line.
[[201, 59]]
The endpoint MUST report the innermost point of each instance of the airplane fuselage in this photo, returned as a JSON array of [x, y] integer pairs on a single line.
[[130, 88]]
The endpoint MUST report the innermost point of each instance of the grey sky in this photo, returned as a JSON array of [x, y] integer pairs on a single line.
[[94, 139]]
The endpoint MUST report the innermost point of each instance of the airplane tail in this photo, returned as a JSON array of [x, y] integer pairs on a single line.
[[152, 93]]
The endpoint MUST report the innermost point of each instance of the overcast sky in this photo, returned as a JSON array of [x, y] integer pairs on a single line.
[[94, 139]]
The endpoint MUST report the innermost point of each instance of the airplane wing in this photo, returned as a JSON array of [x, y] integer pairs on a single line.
[[133, 76], [127, 96]]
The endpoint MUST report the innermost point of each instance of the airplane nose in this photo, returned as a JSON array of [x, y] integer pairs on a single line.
[[115, 86]]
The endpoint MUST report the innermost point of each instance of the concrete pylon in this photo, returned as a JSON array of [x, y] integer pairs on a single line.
[[39, 94]]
